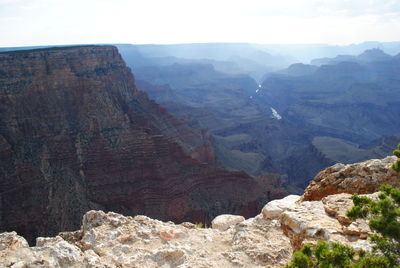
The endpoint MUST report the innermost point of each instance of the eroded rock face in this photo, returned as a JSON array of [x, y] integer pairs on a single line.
[[358, 178], [112, 240], [76, 134], [267, 240], [309, 221]]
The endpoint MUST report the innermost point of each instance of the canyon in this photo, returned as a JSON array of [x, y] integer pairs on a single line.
[[200, 146], [76, 134], [295, 122]]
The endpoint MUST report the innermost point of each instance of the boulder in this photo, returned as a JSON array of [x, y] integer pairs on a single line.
[[12, 241], [225, 221], [275, 208]]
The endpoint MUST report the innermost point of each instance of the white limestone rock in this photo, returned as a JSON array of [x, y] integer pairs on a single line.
[[12, 241], [225, 221], [267, 240], [275, 208]]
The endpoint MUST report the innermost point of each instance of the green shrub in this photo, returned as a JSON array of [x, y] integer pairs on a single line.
[[396, 165], [200, 225], [334, 255], [383, 215]]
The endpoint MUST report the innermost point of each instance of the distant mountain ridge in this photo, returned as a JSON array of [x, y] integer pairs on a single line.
[[246, 58], [370, 55], [234, 58]]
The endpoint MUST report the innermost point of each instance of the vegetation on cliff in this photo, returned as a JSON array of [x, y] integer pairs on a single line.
[[383, 214], [396, 165]]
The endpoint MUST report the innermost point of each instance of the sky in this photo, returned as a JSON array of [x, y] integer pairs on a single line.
[[57, 22]]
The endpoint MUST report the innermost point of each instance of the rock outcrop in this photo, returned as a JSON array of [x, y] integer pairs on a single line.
[[76, 134], [267, 240], [112, 240], [361, 178]]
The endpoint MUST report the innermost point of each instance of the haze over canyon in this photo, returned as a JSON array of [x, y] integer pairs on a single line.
[[188, 132]]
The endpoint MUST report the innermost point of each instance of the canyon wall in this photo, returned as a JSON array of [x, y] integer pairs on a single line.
[[76, 134]]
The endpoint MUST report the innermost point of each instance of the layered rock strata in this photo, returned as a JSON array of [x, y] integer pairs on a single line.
[[76, 134], [363, 177], [267, 240]]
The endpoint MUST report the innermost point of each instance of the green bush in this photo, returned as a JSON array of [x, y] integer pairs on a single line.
[[200, 225], [335, 255], [383, 215], [396, 165]]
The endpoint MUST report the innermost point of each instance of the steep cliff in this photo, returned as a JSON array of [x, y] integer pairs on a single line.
[[76, 134], [267, 240]]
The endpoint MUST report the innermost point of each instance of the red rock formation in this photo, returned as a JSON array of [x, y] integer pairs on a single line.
[[76, 134], [358, 178]]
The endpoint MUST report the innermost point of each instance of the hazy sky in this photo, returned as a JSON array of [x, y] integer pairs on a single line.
[[44, 22]]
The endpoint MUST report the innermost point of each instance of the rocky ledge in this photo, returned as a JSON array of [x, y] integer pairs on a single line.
[[362, 178], [267, 240]]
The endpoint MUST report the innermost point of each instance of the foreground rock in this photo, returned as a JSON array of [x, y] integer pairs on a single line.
[[112, 240], [364, 177], [268, 240], [223, 222]]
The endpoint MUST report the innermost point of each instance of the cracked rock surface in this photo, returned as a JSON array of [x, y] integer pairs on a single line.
[[113, 240]]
